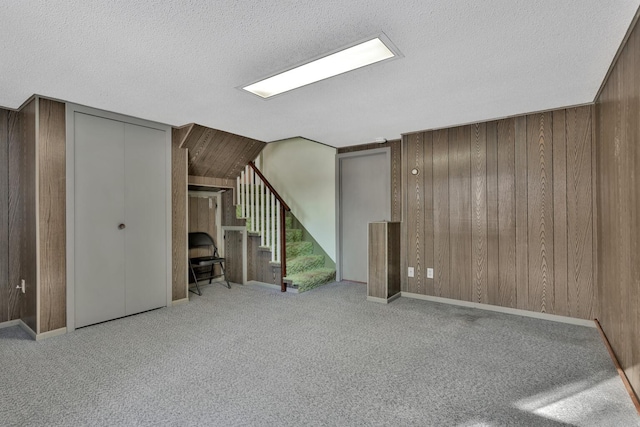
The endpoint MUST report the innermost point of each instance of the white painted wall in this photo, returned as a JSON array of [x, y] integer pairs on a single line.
[[304, 173]]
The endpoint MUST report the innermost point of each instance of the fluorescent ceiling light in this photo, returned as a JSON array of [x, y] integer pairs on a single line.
[[354, 57]]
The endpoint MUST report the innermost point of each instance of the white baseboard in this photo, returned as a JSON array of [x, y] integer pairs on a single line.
[[384, 300], [506, 310], [180, 301], [28, 330], [9, 323], [50, 334]]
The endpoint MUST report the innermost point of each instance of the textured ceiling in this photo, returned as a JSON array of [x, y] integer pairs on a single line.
[[181, 62]]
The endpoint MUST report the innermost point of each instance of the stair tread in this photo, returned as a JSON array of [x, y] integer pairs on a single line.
[[304, 263], [310, 273]]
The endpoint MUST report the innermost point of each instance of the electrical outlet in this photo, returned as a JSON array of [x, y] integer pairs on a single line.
[[429, 273], [411, 272]]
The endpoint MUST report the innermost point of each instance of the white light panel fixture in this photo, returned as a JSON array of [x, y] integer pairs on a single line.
[[352, 58]]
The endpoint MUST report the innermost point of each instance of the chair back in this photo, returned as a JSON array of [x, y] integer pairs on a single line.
[[201, 239]]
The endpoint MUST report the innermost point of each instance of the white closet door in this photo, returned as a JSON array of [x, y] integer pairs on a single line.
[[99, 209], [145, 204]]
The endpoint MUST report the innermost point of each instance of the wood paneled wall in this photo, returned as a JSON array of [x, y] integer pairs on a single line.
[[228, 207], [503, 212], [22, 214], [618, 202], [52, 238], [218, 154], [179, 279], [396, 172], [4, 216], [234, 256], [259, 266], [202, 217]]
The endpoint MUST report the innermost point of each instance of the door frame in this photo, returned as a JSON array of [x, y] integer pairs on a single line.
[[71, 109], [339, 157]]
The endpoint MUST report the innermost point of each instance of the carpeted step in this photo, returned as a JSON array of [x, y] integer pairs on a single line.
[[313, 278], [296, 249], [294, 235], [304, 263]]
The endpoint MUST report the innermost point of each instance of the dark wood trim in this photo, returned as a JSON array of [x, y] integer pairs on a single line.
[[283, 232], [283, 246], [623, 376], [269, 186]]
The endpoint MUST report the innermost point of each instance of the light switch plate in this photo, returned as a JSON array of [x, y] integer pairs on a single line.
[[411, 272], [429, 273]]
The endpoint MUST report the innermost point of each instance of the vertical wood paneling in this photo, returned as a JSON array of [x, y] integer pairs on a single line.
[[4, 216], [460, 213], [233, 255], [202, 217], [618, 203], [228, 207], [22, 214], [393, 258], [377, 260], [178, 215], [52, 215], [427, 178], [560, 248], [416, 219], [540, 194], [479, 212], [396, 180], [441, 212], [493, 232], [506, 213], [579, 204], [253, 242], [404, 229], [522, 214], [510, 200], [16, 212]]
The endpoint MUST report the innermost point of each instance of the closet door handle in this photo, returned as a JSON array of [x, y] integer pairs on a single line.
[[121, 227]]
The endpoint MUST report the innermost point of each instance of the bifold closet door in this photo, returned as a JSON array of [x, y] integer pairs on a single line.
[[99, 210], [120, 219], [146, 219]]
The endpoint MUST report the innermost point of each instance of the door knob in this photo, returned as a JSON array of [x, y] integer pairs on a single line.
[[121, 227]]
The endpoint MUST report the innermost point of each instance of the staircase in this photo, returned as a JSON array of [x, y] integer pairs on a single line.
[[305, 271], [262, 209]]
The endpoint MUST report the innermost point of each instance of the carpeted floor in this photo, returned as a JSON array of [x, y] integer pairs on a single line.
[[253, 356]]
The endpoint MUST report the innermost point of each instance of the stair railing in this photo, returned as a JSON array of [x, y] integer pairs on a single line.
[[266, 210]]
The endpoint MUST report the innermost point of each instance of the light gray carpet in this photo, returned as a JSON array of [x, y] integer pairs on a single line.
[[257, 357]]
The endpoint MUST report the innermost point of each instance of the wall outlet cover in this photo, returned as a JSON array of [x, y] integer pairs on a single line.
[[429, 273], [411, 272]]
